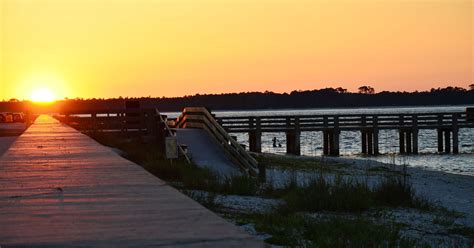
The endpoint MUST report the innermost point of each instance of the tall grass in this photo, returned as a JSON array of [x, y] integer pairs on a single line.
[[300, 231], [319, 194], [340, 194], [346, 195], [187, 176]]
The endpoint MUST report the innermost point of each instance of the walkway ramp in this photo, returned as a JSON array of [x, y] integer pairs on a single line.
[[223, 145], [206, 152], [60, 188]]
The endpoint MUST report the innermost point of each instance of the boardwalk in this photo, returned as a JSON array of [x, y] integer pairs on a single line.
[[60, 188]]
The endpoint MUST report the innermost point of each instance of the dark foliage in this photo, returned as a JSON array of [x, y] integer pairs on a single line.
[[322, 98]]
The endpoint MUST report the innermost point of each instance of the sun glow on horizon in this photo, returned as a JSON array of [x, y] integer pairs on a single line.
[[43, 95], [103, 48]]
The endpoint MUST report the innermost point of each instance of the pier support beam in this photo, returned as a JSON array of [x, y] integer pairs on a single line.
[[440, 140], [402, 142], [444, 140], [415, 142], [293, 142], [455, 141], [408, 141], [375, 135], [447, 141], [255, 135], [293, 145], [370, 142], [255, 141], [331, 142], [364, 141]]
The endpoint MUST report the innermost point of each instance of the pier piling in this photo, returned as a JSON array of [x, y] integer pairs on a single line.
[[255, 136]]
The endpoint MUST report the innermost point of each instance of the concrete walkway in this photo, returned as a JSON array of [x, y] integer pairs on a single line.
[[60, 188], [205, 152]]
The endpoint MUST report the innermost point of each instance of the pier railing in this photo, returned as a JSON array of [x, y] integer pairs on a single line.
[[198, 117], [347, 122], [446, 123], [124, 120]]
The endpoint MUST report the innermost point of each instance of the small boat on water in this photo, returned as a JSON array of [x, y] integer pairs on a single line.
[[12, 123]]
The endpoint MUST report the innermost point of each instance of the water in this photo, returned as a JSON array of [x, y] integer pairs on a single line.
[[350, 143]]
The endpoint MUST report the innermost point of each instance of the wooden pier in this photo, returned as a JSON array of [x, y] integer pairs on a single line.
[[408, 126], [59, 188], [149, 122]]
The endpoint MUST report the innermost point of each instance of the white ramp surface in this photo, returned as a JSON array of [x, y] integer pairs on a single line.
[[205, 151], [59, 188]]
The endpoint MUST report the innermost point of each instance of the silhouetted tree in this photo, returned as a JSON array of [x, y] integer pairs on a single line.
[[471, 86], [341, 90], [366, 90]]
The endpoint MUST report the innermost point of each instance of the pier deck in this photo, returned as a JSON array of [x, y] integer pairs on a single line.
[[60, 188]]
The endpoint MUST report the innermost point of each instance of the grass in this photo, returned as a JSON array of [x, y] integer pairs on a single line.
[[320, 195], [179, 172], [297, 162], [288, 224], [346, 195], [464, 231], [297, 230]]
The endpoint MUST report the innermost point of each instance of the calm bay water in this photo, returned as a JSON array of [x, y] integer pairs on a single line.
[[350, 144]]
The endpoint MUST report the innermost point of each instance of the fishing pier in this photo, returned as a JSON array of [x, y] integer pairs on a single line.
[[368, 125]]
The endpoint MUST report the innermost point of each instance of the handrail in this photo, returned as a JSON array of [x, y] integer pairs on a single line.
[[172, 134], [198, 117], [348, 121]]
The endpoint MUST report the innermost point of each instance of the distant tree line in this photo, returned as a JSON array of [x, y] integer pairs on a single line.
[[321, 98]]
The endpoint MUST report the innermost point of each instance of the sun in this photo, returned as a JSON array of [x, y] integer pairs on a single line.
[[43, 95]]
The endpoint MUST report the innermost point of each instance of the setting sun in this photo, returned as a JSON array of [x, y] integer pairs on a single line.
[[43, 95]]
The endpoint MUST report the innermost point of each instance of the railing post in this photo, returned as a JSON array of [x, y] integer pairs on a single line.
[[334, 138], [440, 133], [364, 134], [297, 138], [255, 136], [370, 143], [364, 141], [455, 134], [402, 141], [447, 141], [325, 142], [408, 141], [415, 134], [440, 140], [376, 135], [94, 121], [401, 134], [293, 137]]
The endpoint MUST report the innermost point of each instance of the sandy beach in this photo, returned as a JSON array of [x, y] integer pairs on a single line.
[[452, 191]]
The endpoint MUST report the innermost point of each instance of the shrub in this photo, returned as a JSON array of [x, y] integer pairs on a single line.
[[318, 195], [394, 192]]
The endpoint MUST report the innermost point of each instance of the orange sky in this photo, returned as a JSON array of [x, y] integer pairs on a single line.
[[109, 48]]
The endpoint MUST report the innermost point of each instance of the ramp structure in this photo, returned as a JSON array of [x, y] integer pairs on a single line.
[[199, 118], [205, 151], [59, 188]]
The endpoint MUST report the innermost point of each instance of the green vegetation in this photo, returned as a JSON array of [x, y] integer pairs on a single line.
[[320, 195], [297, 163], [177, 172], [465, 231], [291, 223], [297, 230]]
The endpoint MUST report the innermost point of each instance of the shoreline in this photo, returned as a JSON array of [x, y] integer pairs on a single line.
[[453, 191]]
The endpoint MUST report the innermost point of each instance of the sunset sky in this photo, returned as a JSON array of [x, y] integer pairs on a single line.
[[110, 48]]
